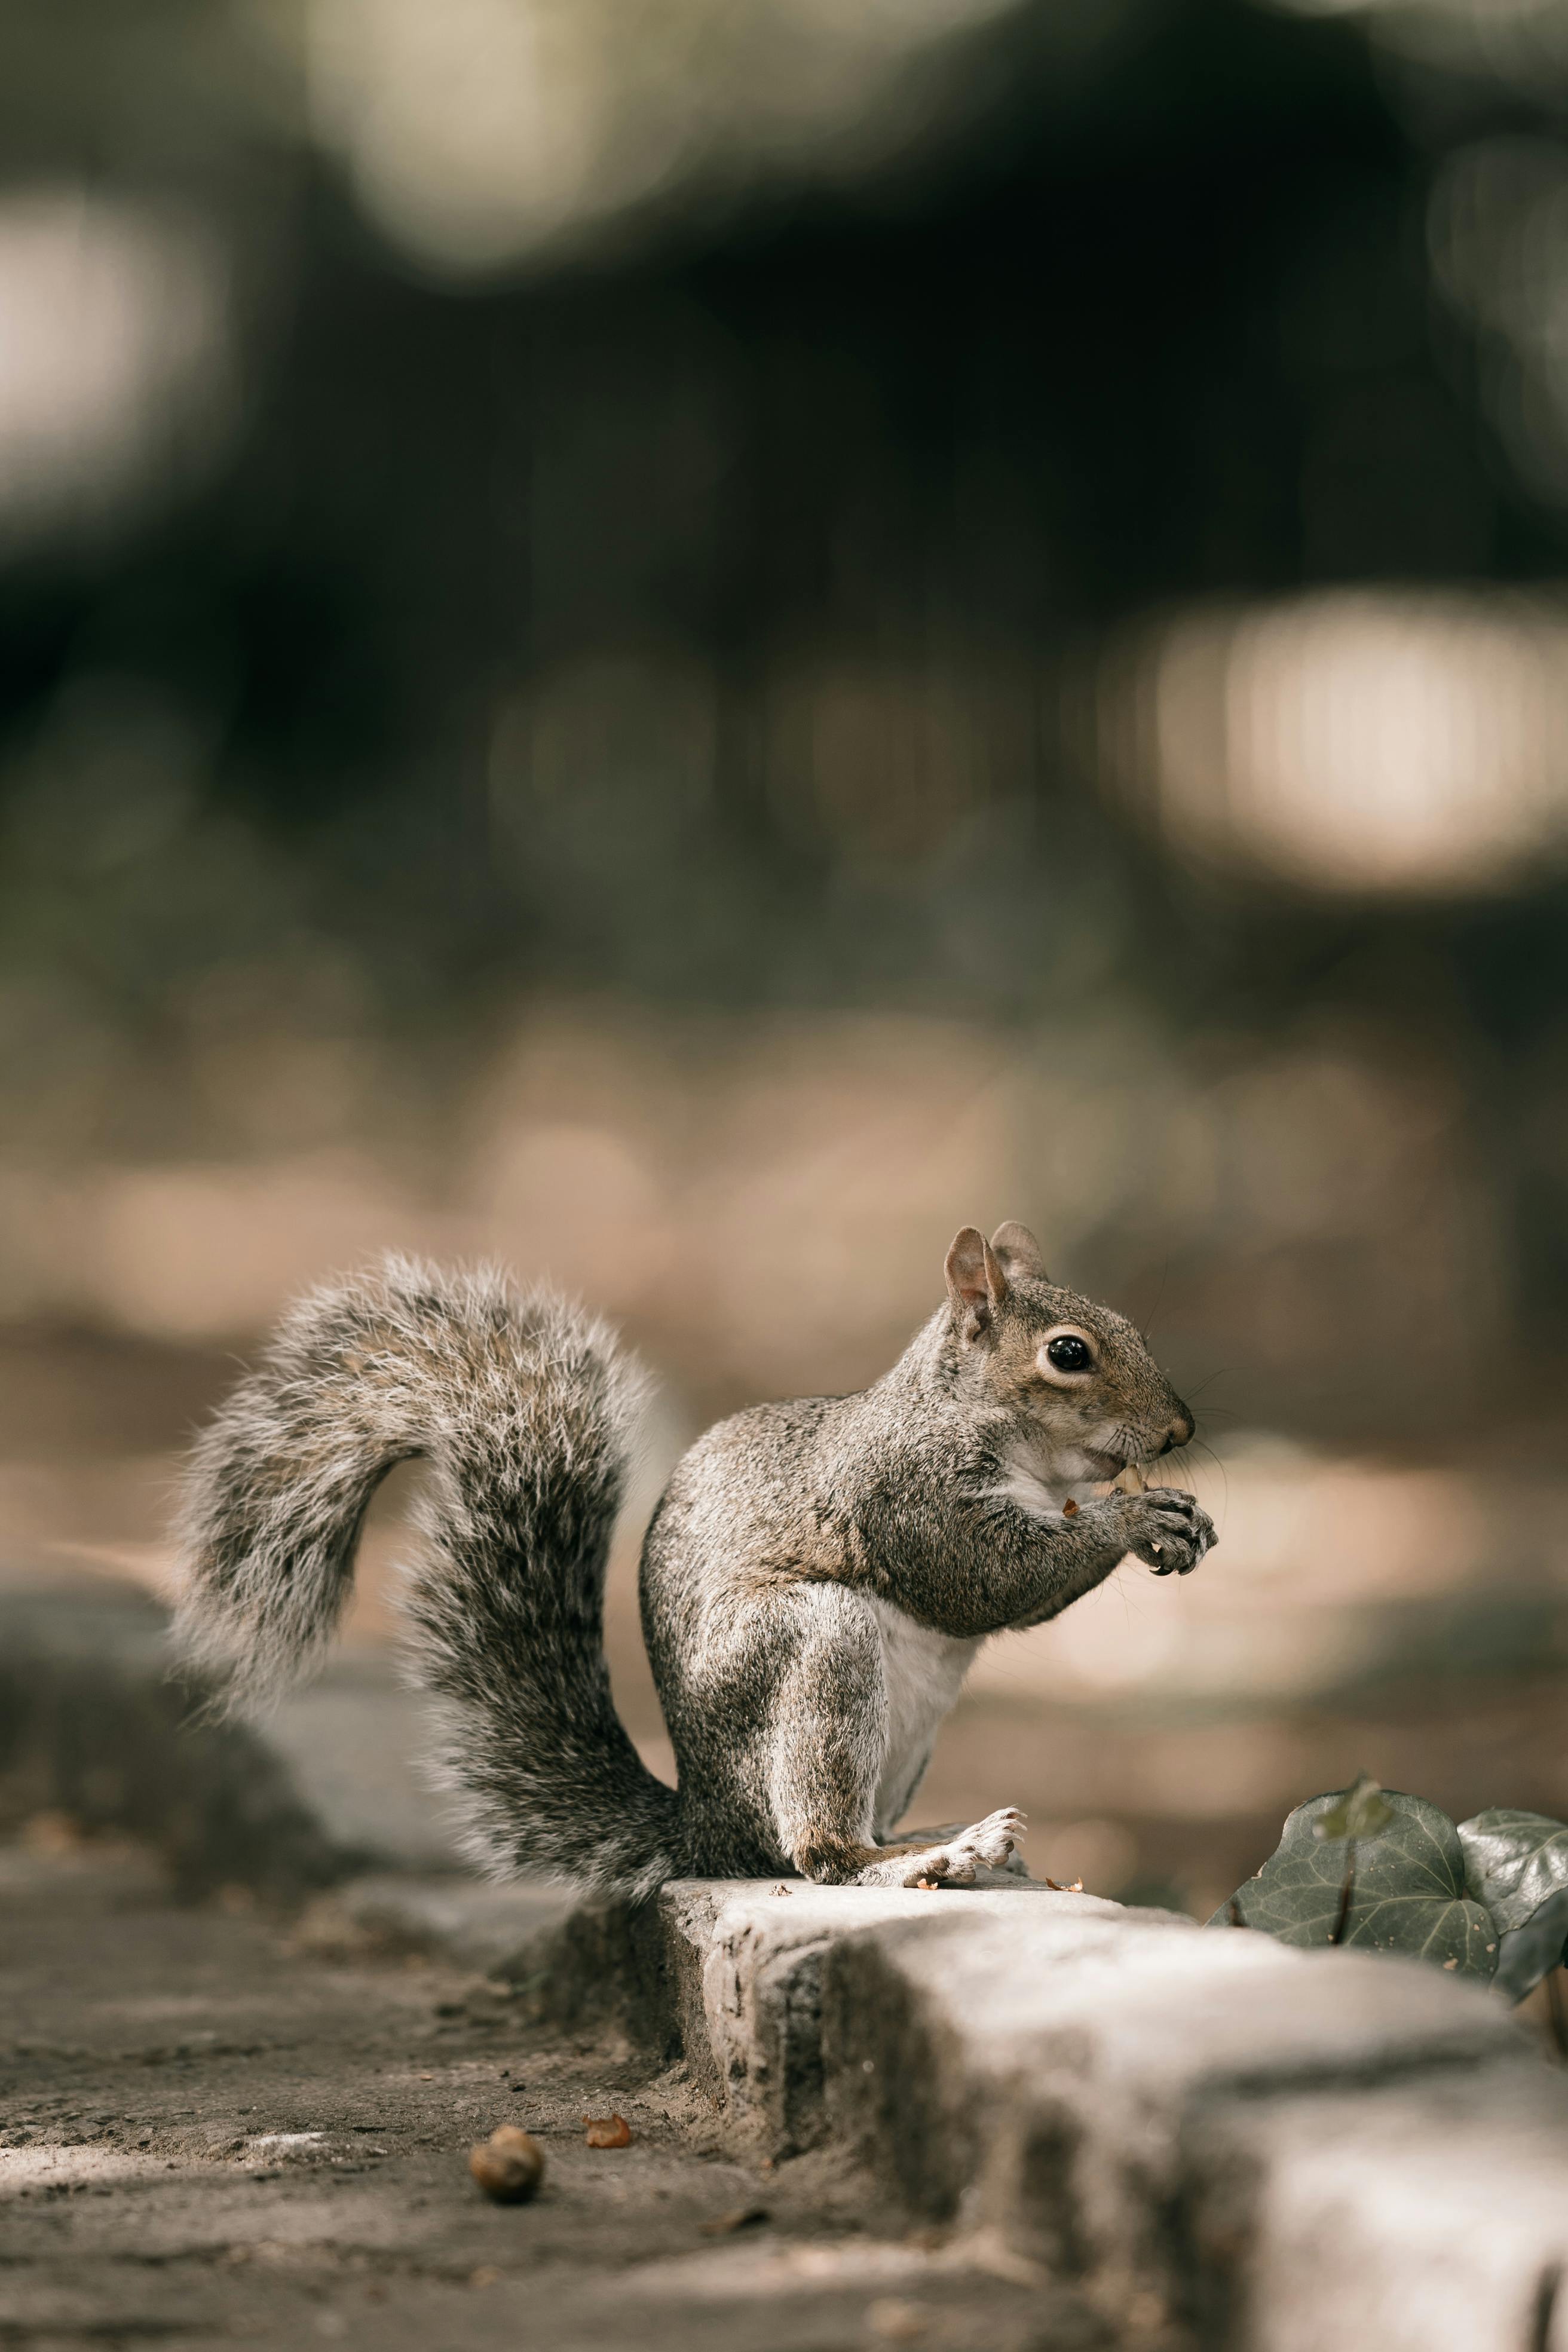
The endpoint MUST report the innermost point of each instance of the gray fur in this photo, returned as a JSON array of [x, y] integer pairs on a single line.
[[526, 1409], [802, 1560]]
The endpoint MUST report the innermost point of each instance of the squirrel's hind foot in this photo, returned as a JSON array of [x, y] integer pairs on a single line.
[[987, 1845]]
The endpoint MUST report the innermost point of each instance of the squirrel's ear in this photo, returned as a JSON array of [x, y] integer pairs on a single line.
[[1019, 1252], [976, 1282]]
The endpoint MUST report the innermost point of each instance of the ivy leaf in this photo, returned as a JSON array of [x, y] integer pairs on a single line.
[[1527, 1954], [1363, 1811], [1517, 1864], [1409, 1893], [1513, 1862]]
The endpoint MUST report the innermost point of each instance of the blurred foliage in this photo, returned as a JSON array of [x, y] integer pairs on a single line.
[[797, 463], [691, 615]]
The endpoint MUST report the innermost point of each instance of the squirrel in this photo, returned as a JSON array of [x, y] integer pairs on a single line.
[[815, 1580]]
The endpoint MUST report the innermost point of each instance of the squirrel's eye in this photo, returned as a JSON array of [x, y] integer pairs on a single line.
[[1069, 1355]]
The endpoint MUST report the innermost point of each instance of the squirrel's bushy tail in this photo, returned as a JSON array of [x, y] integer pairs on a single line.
[[524, 1407]]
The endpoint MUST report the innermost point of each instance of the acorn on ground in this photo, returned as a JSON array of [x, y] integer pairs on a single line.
[[509, 2166]]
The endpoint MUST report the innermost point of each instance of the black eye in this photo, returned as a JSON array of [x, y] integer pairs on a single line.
[[1069, 1355]]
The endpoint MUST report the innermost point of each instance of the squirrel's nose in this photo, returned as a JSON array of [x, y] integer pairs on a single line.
[[1181, 1432]]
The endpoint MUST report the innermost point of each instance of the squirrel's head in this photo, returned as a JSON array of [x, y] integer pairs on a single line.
[[1077, 1373]]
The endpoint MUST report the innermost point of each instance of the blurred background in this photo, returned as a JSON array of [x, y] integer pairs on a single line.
[[690, 641]]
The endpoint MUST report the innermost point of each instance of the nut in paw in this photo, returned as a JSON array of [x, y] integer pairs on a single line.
[[1168, 1529]]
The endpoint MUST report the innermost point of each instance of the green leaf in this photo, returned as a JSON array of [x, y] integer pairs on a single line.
[[1513, 1862], [1409, 1893], [1527, 1954], [1362, 1812], [1517, 1864]]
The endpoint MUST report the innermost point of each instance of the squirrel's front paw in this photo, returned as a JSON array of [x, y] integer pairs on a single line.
[[1168, 1529]]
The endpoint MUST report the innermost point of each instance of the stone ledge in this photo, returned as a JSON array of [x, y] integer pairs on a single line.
[[1411, 2216], [1117, 2096]]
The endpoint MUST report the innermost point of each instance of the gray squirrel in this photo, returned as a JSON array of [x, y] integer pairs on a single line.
[[815, 1580]]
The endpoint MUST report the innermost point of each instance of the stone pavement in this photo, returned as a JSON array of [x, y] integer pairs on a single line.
[[217, 2127], [243, 2072]]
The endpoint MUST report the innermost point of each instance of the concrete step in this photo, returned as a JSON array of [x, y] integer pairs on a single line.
[[1287, 2151]]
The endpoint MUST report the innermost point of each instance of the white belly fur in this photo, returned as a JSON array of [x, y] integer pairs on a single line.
[[923, 1672]]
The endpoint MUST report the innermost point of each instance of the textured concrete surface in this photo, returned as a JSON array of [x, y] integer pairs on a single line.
[[217, 2128], [1007, 2115], [1064, 2058], [1199, 2127], [1427, 2213]]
